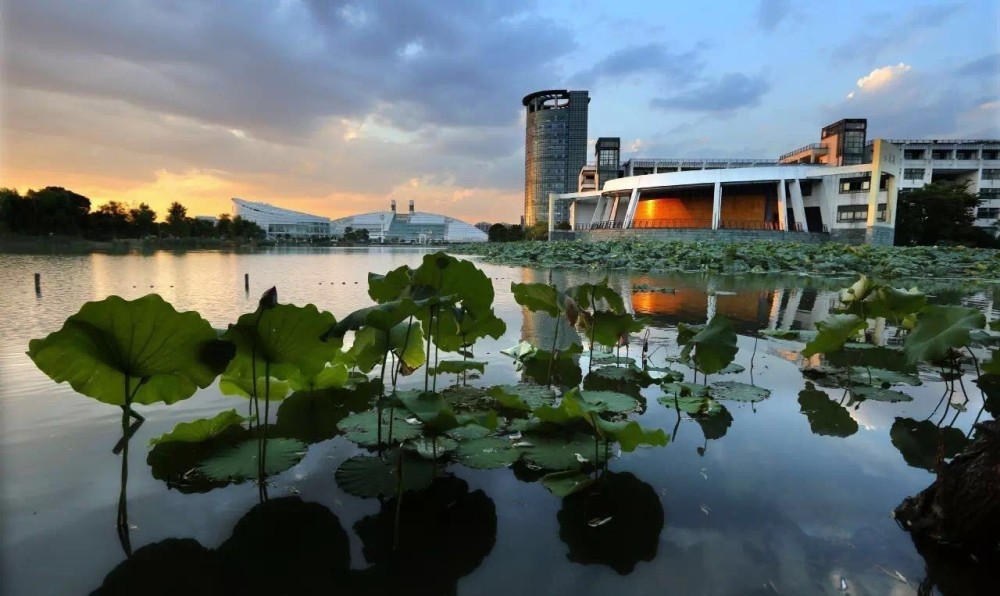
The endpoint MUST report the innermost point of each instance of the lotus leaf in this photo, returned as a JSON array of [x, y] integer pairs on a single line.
[[695, 405], [684, 389], [940, 329], [537, 297], [523, 397], [734, 391], [629, 435], [200, 430], [826, 417], [313, 416], [170, 354], [560, 452], [834, 332], [240, 463], [563, 484], [431, 447], [372, 477], [878, 394], [363, 428], [391, 286], [611, 401], [920, 443], [487, 453], [458, 366], [713, 347], [598, 296]]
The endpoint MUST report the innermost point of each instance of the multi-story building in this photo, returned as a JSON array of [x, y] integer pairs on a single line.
[[608, 153], [974, 163], [642, 166], [555, 149], [588, 179], [841, 144]]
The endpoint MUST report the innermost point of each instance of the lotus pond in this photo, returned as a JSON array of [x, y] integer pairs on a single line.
[[453, 427]]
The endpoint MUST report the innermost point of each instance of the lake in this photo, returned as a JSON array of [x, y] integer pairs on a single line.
[[792, 497]]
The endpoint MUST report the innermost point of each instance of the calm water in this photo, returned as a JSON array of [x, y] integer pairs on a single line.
[[767, 508]]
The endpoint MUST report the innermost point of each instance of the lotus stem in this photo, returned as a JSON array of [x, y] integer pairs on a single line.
[[381, 391], [122, 521], [437, 333], [399, 499], [552, 356], [427, 367]]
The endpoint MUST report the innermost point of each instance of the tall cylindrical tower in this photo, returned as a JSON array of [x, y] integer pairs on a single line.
[[555, 149]]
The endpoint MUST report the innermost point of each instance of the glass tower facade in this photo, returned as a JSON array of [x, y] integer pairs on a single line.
[[608, 151], [555, 149]]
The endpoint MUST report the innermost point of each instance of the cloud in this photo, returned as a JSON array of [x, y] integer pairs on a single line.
[[728, 93], [880, 77], [652, 59], [898, 32], [771, 13]]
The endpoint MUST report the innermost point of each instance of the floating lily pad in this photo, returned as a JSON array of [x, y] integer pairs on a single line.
[[240, 462], [458, 366], [554, 452], [628, 374], [618, 403], [200, 430], [629, 435], [602, 358], [878, 394], [369, 476], [685, 389], [363, 428], [523, 397], [735, 391], [695, 405], [429, 447], [313, 416], [563, 484], [468, 432], [488, 453]]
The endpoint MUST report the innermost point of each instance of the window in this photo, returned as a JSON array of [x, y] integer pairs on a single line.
[[852, 213], [941, 154], [914, 174], [913, 154], [989, 194], [991, 154], [854, 184], [991, 174], [988, 213], [967, 154]]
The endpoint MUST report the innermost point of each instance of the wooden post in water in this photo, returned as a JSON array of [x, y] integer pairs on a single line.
[[246, 282], [38, 283]]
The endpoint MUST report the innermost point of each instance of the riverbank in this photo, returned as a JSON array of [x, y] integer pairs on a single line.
[[17, 244], [883, 262]]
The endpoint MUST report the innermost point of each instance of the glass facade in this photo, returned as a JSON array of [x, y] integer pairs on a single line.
[[851, 136], [608, 153], [555, 150]]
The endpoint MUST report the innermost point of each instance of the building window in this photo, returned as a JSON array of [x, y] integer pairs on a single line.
[[991, 154], [855, 184], [913, 154], [941, 154], [989, 194], [988, 213], [913, 174], [856, 213], [967, 154], [991, 174]]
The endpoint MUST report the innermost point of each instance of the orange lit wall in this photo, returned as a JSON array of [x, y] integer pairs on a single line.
[[676, 208], [742, 208], [694, 302]]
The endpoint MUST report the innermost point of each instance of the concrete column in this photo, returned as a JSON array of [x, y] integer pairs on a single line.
[[552, 213], [716, 205], [614, 208], [633, 202], [598, 210], [798, 206], [782, 207]]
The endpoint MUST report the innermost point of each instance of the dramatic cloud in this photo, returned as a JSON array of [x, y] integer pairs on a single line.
[[728, 93], [880, 77], [648, 60], [987, 66], [771, 13]]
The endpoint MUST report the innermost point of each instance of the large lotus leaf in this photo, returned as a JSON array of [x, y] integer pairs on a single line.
[[681, 389], [629, 435], [561, 452], [469, 432], [286, 337], [628, 374], [695, 405], [563, 484], [200, 430], [685, 332], [458, 366], [857, 292], [370, 477], [939, 329], [921, 443], [612, 358], [329, 377], [238, 380], [407, 343], [826, 417], [380, 316], [391, 286], [789, 334], [834, 332], [613, 329], [431, 447], [895, 304], [714, 347], [467, 398], [240, 462], [537, 297], [612, 401], [460, 328], [735, 391], [437, 415], [487, 453], [172, 354], [597, 296], [313, 416], [362, 428], [572, 407], [405, 340], [562, 370], [877, 394], [523, 397], [715, 426], [176, 462], [460, 280]]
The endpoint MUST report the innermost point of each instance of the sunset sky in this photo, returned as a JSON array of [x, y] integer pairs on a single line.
[[337, 107]]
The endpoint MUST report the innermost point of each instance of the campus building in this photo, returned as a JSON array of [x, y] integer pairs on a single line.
[[282, 223], [555, 149], [412, 227]]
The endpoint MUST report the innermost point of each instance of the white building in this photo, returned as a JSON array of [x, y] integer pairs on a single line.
[[775, 201], [412, 227], [975, 163], [281, 223]]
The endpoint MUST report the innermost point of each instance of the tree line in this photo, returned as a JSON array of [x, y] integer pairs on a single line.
[[56, 211]]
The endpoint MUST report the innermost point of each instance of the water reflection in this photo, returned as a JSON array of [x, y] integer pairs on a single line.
[[826, 416], [615, 522]]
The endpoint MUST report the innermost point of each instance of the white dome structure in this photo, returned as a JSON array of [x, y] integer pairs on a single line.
[[414, 226]]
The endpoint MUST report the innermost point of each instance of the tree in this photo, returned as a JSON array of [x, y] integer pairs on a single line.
[[54, 210], [515, 233], [497, 233], [110, 221], [563, 225], [539, 231], [177, 221], [224, 225], [939, 213], [143, 220]]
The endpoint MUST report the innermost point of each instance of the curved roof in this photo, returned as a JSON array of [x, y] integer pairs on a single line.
[[731, 175], [553, 92], [411, 226], [250, 209]]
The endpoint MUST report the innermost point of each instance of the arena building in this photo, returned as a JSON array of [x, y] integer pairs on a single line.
[[413, 227]]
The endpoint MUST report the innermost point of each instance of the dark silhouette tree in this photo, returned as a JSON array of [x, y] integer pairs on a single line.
[[939, 213]]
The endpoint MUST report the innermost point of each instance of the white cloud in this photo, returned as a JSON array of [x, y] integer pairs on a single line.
[[880, 77]]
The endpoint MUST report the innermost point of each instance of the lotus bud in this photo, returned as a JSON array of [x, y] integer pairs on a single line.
[[269, 299]]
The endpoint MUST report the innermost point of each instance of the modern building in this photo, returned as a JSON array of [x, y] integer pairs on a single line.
[[841, 144], [282, 223], [642, 166], [815, 201], [974, 163], [607, 156], [555, 149], [588, 179], [411, 227]]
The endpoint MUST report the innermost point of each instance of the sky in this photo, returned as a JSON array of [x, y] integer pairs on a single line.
[[335, 108]]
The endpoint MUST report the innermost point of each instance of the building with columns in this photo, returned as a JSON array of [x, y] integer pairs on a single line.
[[807, 202]]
